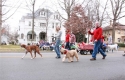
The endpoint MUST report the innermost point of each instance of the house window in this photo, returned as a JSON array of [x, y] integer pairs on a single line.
[[57, 17], [52, 25], [42, 24], [54, 16], [22, 36], [118, 31], [19, 28], [42, 13], [119, 39], [29, 23], [105, 32], [29, 36], [56, 24]]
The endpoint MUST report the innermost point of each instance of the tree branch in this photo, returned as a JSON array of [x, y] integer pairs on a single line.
[[13, 13]]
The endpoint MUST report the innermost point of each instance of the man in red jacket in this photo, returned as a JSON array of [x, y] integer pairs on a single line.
[[97, 38]]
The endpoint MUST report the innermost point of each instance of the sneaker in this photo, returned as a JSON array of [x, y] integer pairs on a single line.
[[123, 55], [92, 59], [57, 57], [104, 57]]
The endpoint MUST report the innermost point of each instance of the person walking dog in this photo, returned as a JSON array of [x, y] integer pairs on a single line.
[[58, 42], [97, 37]]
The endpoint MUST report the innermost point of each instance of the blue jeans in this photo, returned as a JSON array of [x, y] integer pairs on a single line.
[[67, 46], [97, 48], [57, 49]]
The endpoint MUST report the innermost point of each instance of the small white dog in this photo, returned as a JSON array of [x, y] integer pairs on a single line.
[[70, 54], [112, 47]]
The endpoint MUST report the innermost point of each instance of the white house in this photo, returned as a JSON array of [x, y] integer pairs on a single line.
[[42, 18], [4, 39], [4, 36]]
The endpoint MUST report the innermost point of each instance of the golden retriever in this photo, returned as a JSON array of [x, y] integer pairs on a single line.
[[70, 54]]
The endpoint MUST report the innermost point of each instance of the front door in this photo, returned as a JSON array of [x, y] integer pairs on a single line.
[[42, 35]]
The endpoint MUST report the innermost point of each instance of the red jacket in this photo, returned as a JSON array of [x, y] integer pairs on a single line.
[[97, 33], [67, 37], [102, 38]]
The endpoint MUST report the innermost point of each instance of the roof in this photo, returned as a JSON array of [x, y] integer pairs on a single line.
[[36, 14], [30, 32], [117, 26]]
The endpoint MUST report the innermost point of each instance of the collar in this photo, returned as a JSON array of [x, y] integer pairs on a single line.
[[65, 51]]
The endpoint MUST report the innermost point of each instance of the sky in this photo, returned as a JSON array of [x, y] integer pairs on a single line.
[[13, 21], [24, 8]]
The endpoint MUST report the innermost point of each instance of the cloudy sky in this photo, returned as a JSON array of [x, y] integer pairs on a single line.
[[24, 7], [21, 8]]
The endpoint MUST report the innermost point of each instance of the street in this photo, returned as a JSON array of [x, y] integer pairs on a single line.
[[12, 67]]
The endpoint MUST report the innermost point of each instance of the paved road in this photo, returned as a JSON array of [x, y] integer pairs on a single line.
[[12, 67]]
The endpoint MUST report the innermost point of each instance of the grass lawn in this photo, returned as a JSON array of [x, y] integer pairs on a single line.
[[12, 48], [9, 48]]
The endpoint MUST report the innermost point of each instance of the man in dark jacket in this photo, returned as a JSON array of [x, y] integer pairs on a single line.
[[97, 38]]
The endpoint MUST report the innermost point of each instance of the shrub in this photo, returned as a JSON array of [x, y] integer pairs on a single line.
[[12, 42], [28, 43], [121, 44]]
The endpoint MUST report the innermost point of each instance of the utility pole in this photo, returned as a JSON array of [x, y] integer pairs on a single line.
[[33, 22], [0, 19]]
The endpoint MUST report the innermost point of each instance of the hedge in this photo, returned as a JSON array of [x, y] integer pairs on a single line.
[[121, 44]]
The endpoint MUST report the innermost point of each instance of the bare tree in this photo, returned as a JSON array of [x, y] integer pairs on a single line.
[[3, 5], [96, 11], [0, 19], [9, 9], [47, 21], [32, 3], [117, 12], [66, 6]]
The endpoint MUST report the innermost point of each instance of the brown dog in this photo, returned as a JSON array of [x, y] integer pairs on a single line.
[[30, 48], [70, 54]]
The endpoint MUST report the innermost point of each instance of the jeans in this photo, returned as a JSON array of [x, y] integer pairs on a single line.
[[101, 46], [97, 48], [67, 46], [57, 48]]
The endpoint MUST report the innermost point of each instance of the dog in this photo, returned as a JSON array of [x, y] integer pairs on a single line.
[[70, 54], [30, 48], [112, 47]]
